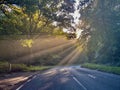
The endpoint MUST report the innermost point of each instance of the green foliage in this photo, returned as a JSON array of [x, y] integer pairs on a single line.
[[103, 46], [30, 17], [27, 43], [58, 31], [28, 6], [21, 17]]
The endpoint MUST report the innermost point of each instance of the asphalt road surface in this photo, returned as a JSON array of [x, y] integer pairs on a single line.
[[72, 78]]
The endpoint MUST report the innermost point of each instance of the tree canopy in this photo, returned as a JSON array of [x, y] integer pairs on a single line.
[[100, 22]]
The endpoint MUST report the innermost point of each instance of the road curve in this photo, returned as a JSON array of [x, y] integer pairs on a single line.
[[72, 78]]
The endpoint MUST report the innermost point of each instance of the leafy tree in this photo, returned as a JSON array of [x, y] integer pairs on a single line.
[[103, 17]]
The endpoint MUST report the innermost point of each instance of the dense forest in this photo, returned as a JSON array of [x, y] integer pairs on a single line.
[[29, 19], [104, 20]]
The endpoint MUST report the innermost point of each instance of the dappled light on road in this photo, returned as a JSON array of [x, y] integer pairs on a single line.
[[72, 78]]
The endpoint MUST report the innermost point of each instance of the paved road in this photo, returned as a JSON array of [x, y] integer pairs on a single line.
[[72, 78]]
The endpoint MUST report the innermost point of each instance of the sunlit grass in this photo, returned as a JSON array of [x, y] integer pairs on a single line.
[[6, 67], [110, 69], [39, 68]]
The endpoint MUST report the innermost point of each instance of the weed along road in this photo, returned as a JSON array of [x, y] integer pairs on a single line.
[[72, 78]]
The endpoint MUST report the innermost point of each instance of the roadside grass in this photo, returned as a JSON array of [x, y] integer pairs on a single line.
[[104, 68], [38, 68], [6, 67]]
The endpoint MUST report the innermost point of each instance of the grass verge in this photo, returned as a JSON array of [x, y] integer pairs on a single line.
[[110, 69], [39, 68], [6, 67]]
